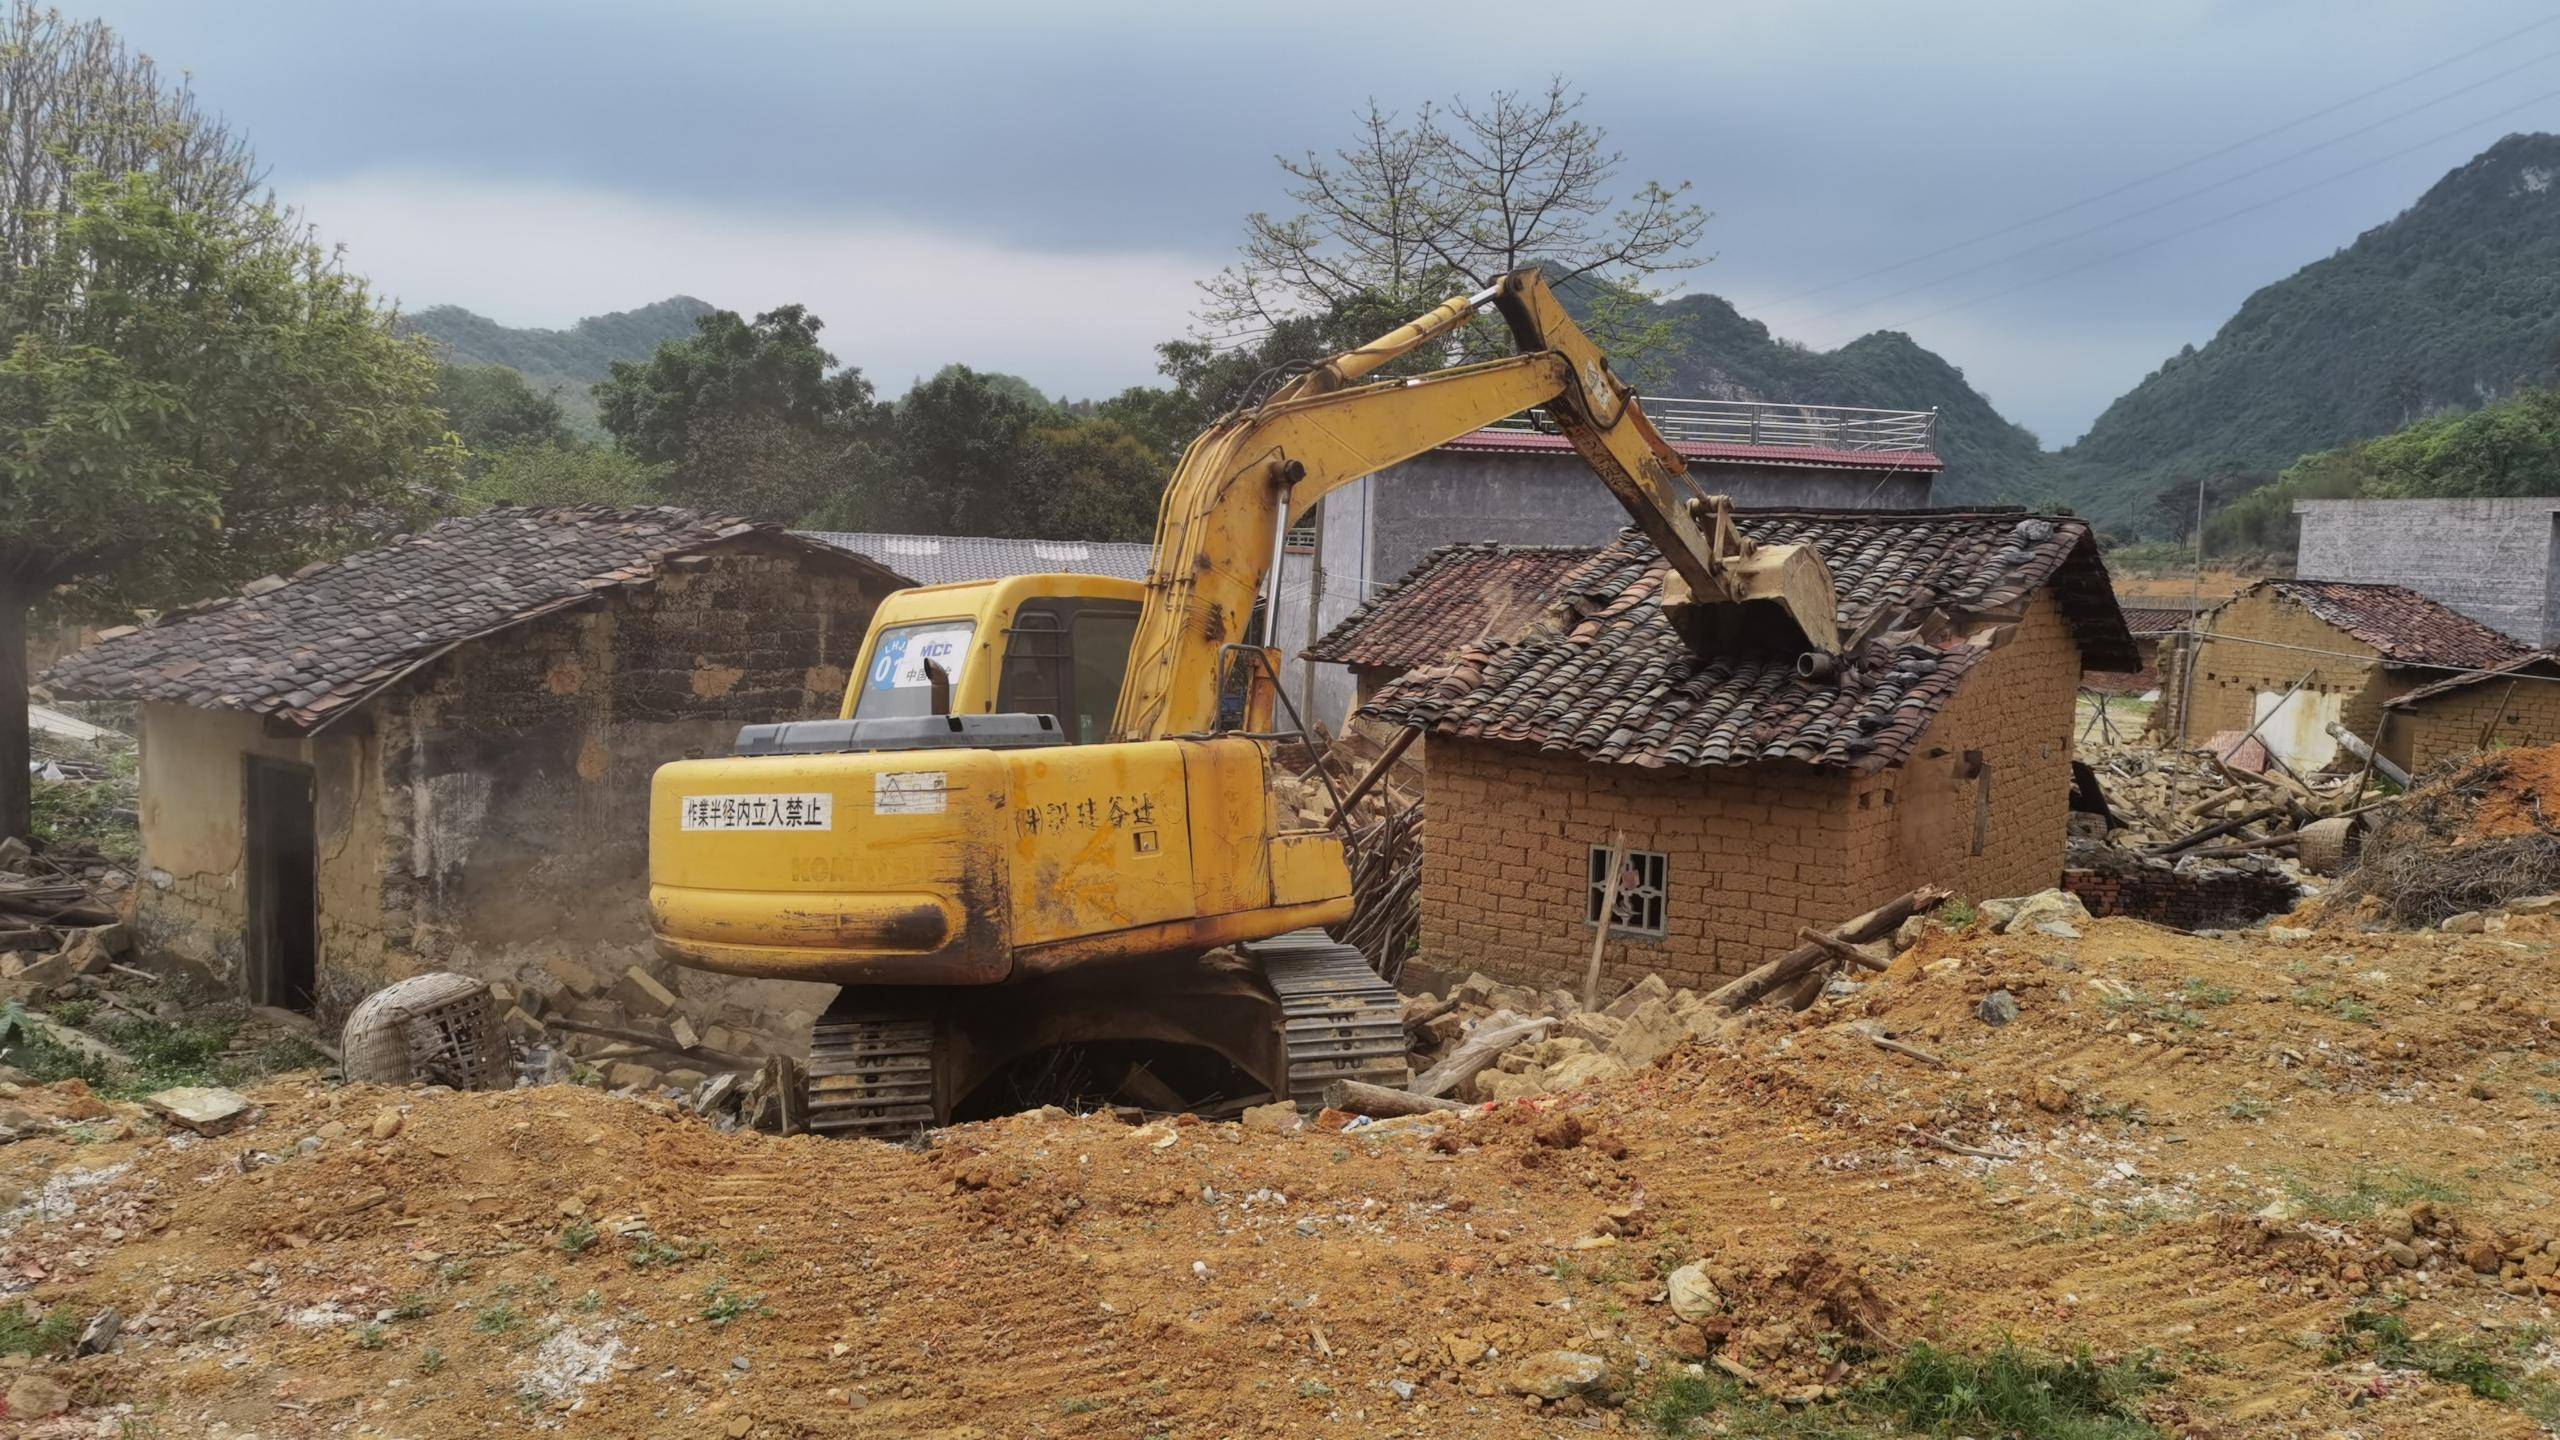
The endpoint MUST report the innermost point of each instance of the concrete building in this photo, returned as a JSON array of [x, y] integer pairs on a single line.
[[1516, 485], [436, 754], [1752, 802], [2303, 654], [2496, 561]]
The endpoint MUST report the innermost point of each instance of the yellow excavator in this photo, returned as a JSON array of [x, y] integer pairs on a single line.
[[1041, 833]]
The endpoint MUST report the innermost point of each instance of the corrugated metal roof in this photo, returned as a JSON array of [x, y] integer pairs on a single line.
[[1490, 442], [943, 559]]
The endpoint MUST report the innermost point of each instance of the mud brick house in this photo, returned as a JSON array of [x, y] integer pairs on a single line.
[[2303, 654], [2517, 703], [2149, 624], [436, 754], [1754, 802]]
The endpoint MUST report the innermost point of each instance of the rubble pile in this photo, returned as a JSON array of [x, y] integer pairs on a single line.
[[61, 917], [1555, 1046], [2301, 1176], [2472, 835]]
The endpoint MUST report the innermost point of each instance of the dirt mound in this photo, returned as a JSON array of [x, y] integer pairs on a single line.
[[2216, 1154], [2471, 835]]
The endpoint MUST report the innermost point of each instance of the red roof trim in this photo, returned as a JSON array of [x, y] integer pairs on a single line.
[[1494, 442]]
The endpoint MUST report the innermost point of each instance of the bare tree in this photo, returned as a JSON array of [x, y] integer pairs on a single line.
[[1410, 213], [75, 100]]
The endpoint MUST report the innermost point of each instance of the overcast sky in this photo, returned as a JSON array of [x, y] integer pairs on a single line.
[[1034, 187]]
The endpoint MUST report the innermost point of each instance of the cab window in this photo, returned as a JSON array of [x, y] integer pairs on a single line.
[[896, 684], [1067, 658]]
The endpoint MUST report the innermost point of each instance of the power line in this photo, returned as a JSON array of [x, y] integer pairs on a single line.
[[2229, 215], [2183, 196], [2182, 165]]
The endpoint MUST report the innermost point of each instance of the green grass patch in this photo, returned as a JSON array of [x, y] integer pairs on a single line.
[[577, 1237], [51, 1335], [2383, 1337], [2366, 1194], [721, 1305], [95, 813], [2007, 1391]]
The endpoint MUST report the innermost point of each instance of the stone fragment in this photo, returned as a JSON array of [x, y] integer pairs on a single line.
[[33, 1397], [2043, 906], [1997, 1008], [1648, 1033], [1650, 987], [205, 1109], [640, 993], [1582, 1070], [1693, 1296], [2468, 922], [1555, 1374], [1277, 1118], [388, 1122], [629, 1075]]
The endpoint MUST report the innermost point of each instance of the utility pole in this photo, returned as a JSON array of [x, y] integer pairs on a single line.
[[1315, 627]]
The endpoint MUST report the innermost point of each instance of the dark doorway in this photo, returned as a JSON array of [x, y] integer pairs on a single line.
[[284, 856]]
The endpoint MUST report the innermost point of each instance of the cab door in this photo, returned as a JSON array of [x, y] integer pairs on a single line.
[[1067, 656]]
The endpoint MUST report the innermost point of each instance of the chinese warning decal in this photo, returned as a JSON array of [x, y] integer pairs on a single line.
[[759, 812], [915, 792]]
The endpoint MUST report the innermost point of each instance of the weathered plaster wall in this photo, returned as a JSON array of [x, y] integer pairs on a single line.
[[195, 839], [490, 815], [2490, 559], [518, 768]]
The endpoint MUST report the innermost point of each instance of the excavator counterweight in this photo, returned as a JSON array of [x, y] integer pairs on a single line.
[[1038, 846]]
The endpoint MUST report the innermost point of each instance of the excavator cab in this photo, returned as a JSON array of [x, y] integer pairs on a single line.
[[1055, 645]]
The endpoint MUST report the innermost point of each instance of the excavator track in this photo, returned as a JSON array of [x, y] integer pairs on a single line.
[[872, 1074], [1339, 1021]]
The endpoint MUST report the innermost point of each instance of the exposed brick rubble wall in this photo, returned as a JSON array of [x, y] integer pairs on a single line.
[[2206, 900], [1754, 852]]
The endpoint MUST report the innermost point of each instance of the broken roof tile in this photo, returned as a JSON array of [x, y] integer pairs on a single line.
[[2407, 627], [311, 645], [1611, 681], [1456, 594]]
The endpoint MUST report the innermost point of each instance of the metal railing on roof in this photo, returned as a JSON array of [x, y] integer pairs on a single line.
[[1756, 422]]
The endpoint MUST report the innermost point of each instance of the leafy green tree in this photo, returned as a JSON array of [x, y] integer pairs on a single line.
[[189, 399], [563, 472], [952, 462], [739, 393], [492, 407]]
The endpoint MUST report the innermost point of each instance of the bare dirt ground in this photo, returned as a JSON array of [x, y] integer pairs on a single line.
[[2213, 1152]]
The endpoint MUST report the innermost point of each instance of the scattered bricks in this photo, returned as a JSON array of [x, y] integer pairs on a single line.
[[641, 994], [2206, 900]]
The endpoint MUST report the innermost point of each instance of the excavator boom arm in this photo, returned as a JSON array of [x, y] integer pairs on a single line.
[[1253, 471]]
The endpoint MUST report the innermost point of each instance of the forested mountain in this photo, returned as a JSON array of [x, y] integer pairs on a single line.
[[1714, 353], [562, 362], [2454, 302]]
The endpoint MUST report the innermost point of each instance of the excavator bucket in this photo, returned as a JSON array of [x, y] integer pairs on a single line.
[[1773, 600]]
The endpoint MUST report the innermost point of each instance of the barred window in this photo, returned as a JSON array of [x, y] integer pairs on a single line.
[[1640, 887]]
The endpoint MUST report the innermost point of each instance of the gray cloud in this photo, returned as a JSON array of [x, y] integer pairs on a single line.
[[1118, 145]]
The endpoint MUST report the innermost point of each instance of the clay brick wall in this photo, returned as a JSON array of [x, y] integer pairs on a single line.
[[2230, 674], [2014, 711], [1753, 852], [2452, 724]]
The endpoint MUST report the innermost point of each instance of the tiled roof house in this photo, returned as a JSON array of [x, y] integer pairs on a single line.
[[435, 754], [1753, 801], [2301, 655]]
